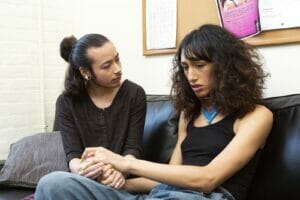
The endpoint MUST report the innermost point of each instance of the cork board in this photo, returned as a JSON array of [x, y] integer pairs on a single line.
[[193, 13]]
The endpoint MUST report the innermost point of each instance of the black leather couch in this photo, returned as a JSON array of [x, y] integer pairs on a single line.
[[278, 173]]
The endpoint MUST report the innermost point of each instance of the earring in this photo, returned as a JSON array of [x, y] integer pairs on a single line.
[[87, 77]]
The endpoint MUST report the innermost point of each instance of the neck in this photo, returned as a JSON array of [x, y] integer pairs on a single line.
[[207, 103], [95, 90]]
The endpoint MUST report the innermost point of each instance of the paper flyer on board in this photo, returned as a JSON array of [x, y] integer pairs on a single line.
[[240, 17], [278, 14], [245, 18]]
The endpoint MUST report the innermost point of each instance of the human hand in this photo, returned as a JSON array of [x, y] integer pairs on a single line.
[[90, 168], [101, 154], [111, 177]]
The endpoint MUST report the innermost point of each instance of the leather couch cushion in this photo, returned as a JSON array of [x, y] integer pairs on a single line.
[[160, 132]]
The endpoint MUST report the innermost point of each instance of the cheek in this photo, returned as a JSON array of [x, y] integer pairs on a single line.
[[209, 80], [101, 76]]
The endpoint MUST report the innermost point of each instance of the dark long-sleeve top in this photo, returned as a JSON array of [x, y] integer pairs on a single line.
[[118, 127]]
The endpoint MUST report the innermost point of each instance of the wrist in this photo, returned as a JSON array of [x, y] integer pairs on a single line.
[[129, 160]]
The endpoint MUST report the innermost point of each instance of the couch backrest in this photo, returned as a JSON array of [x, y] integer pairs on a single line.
[[160, 132], [278, 173]]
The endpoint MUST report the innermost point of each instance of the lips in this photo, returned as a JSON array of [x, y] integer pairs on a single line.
[[197, 88], [117, 79]]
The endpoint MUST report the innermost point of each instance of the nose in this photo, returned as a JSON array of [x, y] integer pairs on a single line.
[[191, 75], [117, 68]]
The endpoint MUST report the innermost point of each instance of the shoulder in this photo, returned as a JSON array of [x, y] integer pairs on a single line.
[[132, 85], [260, 112], [258, 121], [133, 88], [64, 102], [182, 127], [63, 98]]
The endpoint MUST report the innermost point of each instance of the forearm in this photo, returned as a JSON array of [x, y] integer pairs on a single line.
[[193, 177], [140, 185]]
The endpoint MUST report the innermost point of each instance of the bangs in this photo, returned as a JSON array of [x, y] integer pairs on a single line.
[[196, 50]]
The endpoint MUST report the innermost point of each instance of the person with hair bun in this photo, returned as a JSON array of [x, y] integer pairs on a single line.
[[97, 108]]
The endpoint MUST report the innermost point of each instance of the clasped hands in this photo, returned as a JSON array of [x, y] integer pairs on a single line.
[[104, 166]]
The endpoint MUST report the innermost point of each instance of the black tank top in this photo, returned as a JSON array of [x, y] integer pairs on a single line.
[[203, 144]]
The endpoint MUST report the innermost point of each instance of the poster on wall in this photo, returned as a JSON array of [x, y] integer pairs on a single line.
[[246, 18], [240, 17]]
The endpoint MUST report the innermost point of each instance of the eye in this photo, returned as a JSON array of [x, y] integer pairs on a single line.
[[200, 65], [106, 65]]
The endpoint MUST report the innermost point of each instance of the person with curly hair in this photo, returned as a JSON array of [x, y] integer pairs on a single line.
[[217, 87]]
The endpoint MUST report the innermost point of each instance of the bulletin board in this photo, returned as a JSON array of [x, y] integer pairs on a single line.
[[193, 13]]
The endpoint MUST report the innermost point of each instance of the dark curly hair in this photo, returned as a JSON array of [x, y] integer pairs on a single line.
[[238, 74]]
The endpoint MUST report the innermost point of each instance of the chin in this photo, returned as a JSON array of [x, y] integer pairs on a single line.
[[116, 84], [201, 95]]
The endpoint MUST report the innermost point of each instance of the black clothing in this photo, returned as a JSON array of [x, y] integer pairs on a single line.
[[118, 127], [203, 144]]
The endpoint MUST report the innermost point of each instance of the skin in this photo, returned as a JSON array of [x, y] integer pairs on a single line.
[[228, 5], [250, 134], [103, 84]]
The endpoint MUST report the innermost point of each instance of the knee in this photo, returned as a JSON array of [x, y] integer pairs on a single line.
[[53, 179], [50, 183]]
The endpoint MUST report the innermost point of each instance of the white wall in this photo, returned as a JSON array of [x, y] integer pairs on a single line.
[[32, 72], [283, 64]]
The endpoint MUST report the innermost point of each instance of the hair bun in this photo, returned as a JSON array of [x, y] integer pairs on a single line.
[[66, 46]]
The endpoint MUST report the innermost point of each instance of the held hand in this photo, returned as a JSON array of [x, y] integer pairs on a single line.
[[112, 177], [90, 168], [103, 155]]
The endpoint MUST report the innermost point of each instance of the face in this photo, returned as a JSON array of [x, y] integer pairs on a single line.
[[106, 66], [199, 75], [228, 5]]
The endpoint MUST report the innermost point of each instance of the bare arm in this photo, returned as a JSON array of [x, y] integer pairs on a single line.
[[176, 158], [251, 134], [144, 185], [140, 185]]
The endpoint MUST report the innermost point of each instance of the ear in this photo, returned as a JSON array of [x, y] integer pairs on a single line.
[[85, 72]]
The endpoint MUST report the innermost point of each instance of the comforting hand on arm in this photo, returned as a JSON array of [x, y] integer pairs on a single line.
[[104, 173]]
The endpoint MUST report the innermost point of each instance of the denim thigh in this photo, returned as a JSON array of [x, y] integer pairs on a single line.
[[65, 185], [168, 192]]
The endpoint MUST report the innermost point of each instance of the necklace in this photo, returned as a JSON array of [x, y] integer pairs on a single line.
[[209, 115]]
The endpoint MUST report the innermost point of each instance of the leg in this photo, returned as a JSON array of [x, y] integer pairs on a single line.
[[168, 192], [64, 185]]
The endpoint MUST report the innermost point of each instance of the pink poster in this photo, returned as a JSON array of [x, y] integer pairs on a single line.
[[240, 17]]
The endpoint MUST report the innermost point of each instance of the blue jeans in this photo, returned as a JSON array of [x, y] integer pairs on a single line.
[[64, 185]]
